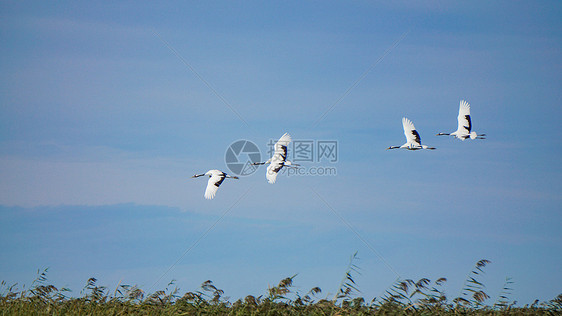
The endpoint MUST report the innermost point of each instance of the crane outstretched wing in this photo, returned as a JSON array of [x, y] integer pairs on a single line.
[[412, 136], [272, 171], [213, 185], [281, 148], [465, 124]]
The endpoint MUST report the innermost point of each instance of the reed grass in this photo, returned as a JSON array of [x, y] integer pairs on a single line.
[[404, 297]]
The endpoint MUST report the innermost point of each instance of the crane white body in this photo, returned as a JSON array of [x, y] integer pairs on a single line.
[[413, 139], [464, 128], [278, 160], [216, 177]]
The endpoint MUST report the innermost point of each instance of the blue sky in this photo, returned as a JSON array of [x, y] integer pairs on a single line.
[[101, 126]]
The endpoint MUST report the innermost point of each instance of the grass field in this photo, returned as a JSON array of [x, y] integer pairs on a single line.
[[405, 297]]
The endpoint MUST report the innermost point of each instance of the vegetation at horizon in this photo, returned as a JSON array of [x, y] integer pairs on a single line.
[[405, 297]]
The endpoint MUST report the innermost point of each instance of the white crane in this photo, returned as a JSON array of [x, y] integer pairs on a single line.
[[279, 159], [464, 129], [413, 140], [216, 177]]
